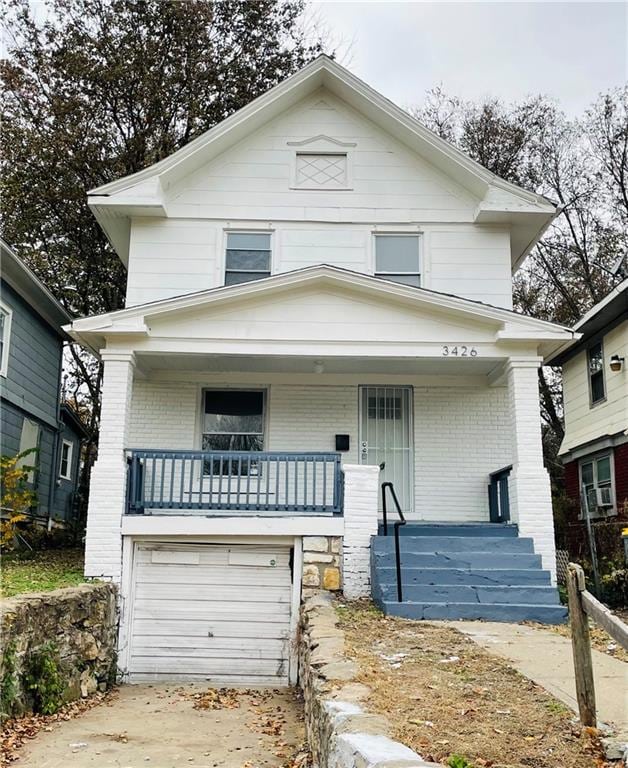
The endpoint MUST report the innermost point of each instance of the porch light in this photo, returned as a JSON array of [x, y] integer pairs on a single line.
[[318, 366], [616, 363]]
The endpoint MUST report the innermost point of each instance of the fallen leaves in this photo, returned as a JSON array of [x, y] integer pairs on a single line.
[[18, 730]]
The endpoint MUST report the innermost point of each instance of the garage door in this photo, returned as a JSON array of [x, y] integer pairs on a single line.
[[211, 611]]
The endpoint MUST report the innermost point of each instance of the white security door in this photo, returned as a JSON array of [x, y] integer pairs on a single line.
[[385, 437], [215, 612]]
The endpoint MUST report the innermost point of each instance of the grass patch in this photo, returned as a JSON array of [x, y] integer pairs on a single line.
[[455, 703], [40, 571]]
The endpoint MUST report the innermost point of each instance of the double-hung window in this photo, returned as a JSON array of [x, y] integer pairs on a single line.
[[233, 420], [595, 366], [65, 463], [248, 257], [596, 477], [5, 335], [397, 258]]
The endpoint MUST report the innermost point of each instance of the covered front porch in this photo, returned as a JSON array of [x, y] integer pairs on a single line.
[[280, 399]]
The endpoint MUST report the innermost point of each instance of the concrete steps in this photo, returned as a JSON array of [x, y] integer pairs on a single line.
[[463, 571]]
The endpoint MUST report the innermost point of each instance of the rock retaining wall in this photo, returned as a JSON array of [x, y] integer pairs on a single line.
[[75, 629], [341, 733], [321, 564]]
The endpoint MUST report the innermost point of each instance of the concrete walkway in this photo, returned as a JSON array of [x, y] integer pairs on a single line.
[[158, 727], [546, 658]]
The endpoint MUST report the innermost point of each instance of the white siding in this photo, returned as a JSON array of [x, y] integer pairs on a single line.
[[583, 422], [250, 187]]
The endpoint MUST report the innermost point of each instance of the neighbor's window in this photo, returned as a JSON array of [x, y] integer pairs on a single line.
[[248, 257], [233, 420], [397, 258], [597, 485], [595, 361], [65, 465], [322, 170], [29, 440], [5, 335]]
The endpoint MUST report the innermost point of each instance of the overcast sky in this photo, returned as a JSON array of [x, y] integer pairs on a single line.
[[567, 50]]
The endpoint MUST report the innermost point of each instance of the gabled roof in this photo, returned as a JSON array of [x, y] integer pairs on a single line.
[[510, 326], [143, 193], [604, 315], [31, 289]]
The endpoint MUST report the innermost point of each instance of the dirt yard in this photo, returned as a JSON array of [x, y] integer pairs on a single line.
[[445, 696]]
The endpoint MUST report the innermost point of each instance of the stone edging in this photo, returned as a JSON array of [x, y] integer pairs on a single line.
[[341, 733]]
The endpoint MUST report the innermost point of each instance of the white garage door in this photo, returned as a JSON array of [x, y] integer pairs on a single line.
[[211, 611]]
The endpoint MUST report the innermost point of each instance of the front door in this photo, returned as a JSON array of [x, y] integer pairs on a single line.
[[386, 437]]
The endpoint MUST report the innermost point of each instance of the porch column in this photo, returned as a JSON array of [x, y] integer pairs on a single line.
[[107, 495], [529, 486], [361, 518]]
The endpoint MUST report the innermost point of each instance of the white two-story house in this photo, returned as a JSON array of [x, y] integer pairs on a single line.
[[317, 286]]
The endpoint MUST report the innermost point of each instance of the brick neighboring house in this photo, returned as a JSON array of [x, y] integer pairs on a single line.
[[317, 286], [594, 450]]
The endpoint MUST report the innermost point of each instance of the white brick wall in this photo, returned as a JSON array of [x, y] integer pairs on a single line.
[[309, 417], [107, 496], [461, 435], [529, 486], [360, 512], [163, 415]]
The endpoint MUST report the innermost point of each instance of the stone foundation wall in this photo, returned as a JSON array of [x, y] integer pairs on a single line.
[[341, 733], [321, 564], [76, 629]]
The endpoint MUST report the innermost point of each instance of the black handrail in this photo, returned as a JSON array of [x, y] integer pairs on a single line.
[[396, 526]]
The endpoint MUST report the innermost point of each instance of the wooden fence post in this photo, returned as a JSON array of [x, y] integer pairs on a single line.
[[581, 644]]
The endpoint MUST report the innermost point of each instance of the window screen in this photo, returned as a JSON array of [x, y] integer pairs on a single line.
[[248, 257], [397, 258]]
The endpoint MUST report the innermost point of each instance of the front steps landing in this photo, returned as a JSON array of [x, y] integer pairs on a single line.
[[463, 571]]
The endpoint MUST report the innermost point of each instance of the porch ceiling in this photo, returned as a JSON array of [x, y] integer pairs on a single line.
[[310, 364]]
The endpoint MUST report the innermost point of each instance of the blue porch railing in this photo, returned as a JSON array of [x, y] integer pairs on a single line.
[[498, 497], [179, 482]]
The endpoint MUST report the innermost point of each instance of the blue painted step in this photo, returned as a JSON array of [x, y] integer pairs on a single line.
[[477, 576], [465, 593], [546, 614], [464, 560], [455, 544], [488, 530]]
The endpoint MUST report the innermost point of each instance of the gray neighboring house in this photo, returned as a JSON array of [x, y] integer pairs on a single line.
[[31, 358]]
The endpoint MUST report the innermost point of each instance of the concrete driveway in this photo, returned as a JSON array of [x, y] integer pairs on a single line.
[[169, 726]]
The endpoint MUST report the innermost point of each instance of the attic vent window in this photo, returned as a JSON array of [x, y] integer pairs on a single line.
[[321, 170]]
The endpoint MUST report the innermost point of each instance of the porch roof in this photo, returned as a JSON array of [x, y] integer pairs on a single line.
[[418, 314]]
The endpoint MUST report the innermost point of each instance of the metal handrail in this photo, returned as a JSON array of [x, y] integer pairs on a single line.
[[396, 525]]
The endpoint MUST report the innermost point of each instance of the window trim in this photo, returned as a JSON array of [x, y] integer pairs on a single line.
[[244, 231], [70, 458], [593, 459], [594, 403], [388, 275], [6, 339]]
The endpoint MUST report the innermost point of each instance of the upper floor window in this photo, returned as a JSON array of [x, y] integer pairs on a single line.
[[65, 465], [248, 257], [322, 170], [595, 363], [5, 335], [397, 257]]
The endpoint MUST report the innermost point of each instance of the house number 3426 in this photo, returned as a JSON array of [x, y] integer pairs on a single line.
[[459, 350]]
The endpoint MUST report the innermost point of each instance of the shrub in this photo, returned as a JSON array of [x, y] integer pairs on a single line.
[[43, 679], [17, 497]]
